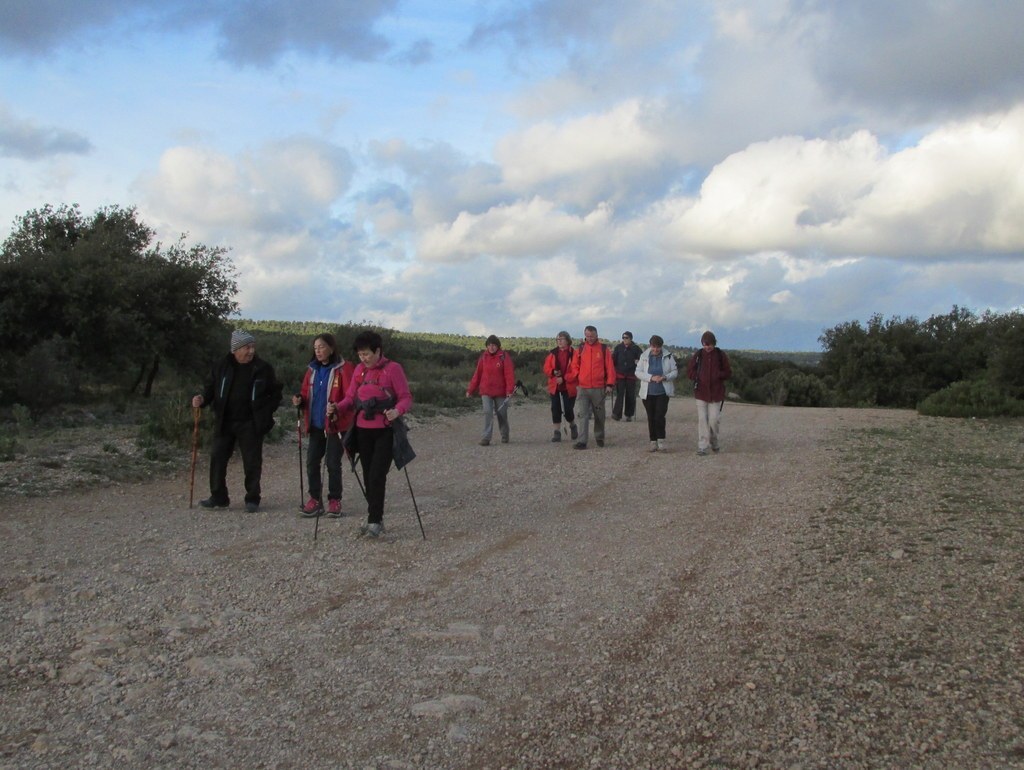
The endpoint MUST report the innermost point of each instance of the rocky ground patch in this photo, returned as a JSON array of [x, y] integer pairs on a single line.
[[837, 588]]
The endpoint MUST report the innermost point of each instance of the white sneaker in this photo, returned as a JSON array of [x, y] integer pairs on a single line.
[[654, 446], [661, 445]]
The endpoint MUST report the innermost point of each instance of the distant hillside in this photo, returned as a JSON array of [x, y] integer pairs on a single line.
[[800, 358], [520, 344]]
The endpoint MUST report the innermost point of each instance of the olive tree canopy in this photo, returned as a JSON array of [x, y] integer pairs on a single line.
[[98, 298]]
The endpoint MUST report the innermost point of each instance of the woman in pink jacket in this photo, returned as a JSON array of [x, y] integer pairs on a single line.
[[379, 394], [495, 380]]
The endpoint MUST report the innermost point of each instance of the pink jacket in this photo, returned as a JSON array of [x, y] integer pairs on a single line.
[[374, 389]]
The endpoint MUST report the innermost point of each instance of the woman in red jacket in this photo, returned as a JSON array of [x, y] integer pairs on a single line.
[[495, 380], [323, 386], [561, 387]]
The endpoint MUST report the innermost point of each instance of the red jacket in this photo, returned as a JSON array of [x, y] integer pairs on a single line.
[[551, 363], [592, 366], [495, 375], [341, 374]]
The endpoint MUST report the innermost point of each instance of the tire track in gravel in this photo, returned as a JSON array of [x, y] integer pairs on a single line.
[[692, 539], [544, 568]]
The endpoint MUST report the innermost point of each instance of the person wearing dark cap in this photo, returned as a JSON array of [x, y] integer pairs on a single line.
[[625, 357], [495, 379], [709, 369], [244, 393]]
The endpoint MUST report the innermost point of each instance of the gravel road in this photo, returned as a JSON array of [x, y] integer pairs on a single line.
[[837, 588]]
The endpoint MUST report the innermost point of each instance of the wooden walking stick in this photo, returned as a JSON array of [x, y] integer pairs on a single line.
[[195, 454]]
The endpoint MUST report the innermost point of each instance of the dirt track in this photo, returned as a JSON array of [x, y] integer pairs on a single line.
[[604, 608]]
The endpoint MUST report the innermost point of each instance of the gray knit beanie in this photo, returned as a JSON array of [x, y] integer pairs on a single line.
[[240, 338]]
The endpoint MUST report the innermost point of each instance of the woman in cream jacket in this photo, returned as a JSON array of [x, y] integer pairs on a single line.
[[657, 372]]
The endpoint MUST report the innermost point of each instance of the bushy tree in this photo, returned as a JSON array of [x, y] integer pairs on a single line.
[[901, 362], [115, 302], [1006, 359], [858, 363], [954, 348]]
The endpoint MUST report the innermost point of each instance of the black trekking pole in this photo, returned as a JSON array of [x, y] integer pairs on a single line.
[[323, 477], [415, 507], [195, 454], [359, 481], [518, 386], [302, 489]]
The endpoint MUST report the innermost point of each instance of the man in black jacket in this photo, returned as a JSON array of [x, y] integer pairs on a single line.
[[244, 393], [625, 356]]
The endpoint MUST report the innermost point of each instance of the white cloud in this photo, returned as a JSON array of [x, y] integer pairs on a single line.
[[280, 185], [959, 191], [600, 147], [200, 186], [523, 229]]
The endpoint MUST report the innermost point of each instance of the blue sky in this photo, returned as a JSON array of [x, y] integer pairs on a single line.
[[764, 169]]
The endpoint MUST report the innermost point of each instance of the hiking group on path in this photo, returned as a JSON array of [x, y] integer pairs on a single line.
[[356, 410]]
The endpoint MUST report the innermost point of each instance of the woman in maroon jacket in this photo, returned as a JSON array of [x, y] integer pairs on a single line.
[[495, 380], [709, 369]]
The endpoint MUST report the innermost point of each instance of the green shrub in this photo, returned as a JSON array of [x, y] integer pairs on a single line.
[[439, 393], [170, 420], [976, 398], [9, 446], [45, 375], [22, 417], [282, 427], [787, 386]]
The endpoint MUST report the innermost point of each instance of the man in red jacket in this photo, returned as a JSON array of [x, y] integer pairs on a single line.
[[495, 380], [594, 373]]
